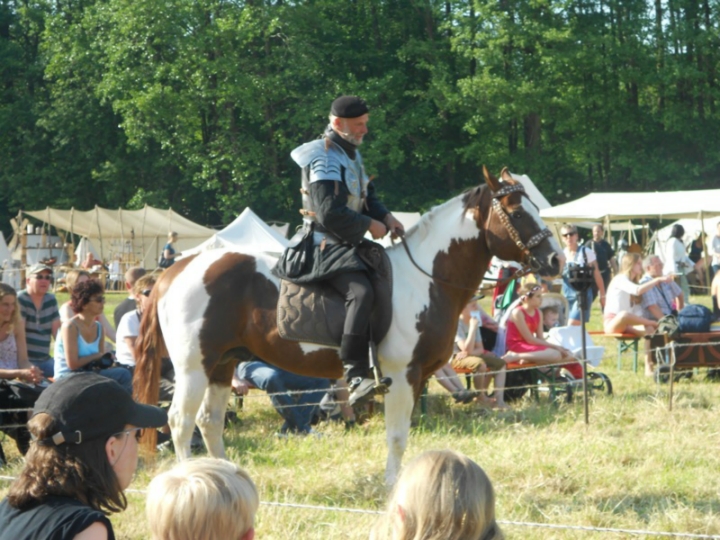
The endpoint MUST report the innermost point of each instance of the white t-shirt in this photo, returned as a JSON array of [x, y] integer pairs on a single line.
[[580, 257], [129, 327], [617, 297], [676, 260]]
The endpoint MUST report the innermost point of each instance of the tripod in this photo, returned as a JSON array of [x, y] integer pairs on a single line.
[[581, 278]]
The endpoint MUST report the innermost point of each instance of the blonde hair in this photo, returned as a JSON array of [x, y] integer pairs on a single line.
[[627, 263], [145, 282], [440, 495], [7, 290], [71, 278], [201, 498]]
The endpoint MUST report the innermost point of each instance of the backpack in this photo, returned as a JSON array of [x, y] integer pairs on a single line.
[[694, 318]]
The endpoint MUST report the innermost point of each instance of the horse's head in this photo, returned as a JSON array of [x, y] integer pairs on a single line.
[[513, 228]]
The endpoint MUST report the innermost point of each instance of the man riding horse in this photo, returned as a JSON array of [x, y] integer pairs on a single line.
[[339, 207]]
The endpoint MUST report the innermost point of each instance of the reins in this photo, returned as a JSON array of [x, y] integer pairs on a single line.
[[514, 235]]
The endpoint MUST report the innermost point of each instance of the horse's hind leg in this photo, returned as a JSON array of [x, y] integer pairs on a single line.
[[398, 410], [211, 418], [189, 390]]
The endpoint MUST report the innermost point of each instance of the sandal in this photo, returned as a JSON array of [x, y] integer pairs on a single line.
[[463, 396]]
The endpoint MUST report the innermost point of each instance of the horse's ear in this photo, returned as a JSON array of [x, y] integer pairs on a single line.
[[505, 175], [490, 180]]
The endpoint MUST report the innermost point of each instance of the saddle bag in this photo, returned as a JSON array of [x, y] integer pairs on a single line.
[[297, 256], [694, 318]]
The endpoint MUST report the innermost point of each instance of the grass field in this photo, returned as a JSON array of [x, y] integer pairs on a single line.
[[636, 466]]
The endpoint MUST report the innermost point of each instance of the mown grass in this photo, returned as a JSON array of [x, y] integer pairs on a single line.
[[636, 465]]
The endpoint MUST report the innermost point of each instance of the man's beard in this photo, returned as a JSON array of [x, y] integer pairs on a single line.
[[352, 139]]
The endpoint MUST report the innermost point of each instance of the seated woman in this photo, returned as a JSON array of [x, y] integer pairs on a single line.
[[471, 354], [524, 339], [440, 494], [14, 364], [78, 341], [623, 304], [72, 278]]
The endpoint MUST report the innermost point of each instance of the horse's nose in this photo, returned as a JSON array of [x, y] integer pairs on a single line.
[[556, 261]]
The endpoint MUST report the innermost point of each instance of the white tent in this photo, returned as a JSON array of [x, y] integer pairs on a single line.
[[138, 236], [692, 227], [247, 233], [624, 206]]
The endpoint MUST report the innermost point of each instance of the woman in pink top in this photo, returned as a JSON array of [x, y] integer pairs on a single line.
[[524, 339]]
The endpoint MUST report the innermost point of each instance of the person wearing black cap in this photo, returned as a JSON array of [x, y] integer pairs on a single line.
[[84, 453], [339, 207]]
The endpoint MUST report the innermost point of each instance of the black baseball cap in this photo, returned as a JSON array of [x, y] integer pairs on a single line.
[[87, 406], [348, 107]]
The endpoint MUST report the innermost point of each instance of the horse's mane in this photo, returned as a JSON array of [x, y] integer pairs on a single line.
[[470, 199]]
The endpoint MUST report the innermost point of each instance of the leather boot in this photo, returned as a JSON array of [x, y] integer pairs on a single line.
[[354, 354]]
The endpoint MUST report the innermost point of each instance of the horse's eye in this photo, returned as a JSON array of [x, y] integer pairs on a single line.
[[517, 214]]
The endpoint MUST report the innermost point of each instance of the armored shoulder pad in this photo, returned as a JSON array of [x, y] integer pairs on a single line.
[[325, 164]]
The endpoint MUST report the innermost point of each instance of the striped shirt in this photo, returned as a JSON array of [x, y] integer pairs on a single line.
[[38, 324]]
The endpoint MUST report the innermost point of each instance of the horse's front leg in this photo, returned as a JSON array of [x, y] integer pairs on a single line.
[[398, 410]]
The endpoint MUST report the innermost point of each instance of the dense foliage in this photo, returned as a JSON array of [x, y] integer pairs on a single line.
[[196, 104]]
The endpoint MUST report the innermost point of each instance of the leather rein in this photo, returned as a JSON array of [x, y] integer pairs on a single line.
[[529, 265]]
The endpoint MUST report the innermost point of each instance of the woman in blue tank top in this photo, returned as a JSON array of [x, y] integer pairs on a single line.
[[79, 346]]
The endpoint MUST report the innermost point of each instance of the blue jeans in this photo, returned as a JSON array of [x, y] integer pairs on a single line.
[[298, 409], [120, 375]]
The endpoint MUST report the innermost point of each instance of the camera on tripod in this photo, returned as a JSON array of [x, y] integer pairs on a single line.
[[580, 276]]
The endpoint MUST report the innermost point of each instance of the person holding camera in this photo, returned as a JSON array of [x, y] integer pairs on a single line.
[[79, 343]]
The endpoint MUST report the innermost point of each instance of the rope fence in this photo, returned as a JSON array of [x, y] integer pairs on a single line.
[[235, 398], [505, 523]]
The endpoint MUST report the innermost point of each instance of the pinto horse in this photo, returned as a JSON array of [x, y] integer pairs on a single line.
[[211, 309]]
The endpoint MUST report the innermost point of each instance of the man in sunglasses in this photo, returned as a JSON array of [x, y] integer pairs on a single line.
[[39, 310]]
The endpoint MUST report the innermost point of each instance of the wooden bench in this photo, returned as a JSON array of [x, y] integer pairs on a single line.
[[625, 342], [691, 350]]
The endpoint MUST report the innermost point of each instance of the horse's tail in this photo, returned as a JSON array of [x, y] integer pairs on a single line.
[[149, 351]]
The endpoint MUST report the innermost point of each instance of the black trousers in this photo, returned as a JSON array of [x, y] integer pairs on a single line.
[[359, 296]]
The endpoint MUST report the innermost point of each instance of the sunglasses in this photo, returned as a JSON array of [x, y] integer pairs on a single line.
[[568, 234], [138, 433], [532, 291], [43, 277], [146, 292]]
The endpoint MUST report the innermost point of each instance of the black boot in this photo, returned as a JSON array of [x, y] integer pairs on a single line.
[[355, 359]]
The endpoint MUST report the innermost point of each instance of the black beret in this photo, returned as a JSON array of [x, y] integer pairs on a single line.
[[348, 107]]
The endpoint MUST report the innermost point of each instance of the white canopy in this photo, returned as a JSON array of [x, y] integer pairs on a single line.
[[623, 206], [136, 235], [248, 233]]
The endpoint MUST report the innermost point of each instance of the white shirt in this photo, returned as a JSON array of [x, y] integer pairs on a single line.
[[676, 260], [617, 297], [579, 257], [129, 327]]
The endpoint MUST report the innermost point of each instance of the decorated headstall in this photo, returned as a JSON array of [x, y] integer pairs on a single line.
[[535, 240]]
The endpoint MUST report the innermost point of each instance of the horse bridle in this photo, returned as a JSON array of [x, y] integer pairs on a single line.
[[530, 264], [535, 240]]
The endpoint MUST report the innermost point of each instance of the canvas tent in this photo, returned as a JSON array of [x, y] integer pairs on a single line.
[[606, 207], [136, 235], [247, 233]]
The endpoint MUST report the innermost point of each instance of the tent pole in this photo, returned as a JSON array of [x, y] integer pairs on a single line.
[[97, 221], [23, 248], [71, 246], [704, 252], [142, 236]]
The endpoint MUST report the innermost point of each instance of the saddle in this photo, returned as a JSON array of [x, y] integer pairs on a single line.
[[315, 312]]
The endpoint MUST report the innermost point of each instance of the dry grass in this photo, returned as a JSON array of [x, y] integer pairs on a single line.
[[637, 465]]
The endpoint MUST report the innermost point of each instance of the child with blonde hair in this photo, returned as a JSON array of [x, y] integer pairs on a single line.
[[440, 495], [202, 498]]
